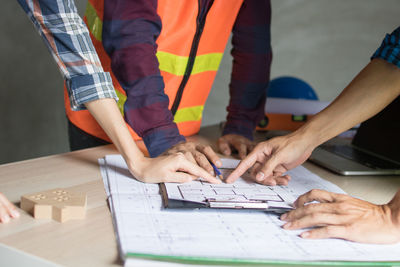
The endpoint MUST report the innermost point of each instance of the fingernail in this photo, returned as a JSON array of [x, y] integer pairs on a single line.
[[260, 176], [287, 225], [15, 214], [283, 217], [212, 173], [5, 218], [218, 163], [305, 234]]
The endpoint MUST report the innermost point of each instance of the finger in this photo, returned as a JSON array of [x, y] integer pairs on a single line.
[[210, 154], [180, 177], [315, 195], [9, 207], [224, 147], [241, 149], [280, 169], [203, 162], [4, 217], [277, 179], [268, 168], [190, 157], [283, 180], [194, 169], [270, 181], [255, 169], [243, 166], [316, 219], [251, 147], [331, 231], [308, 210]]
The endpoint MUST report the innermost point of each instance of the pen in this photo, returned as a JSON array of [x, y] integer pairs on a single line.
[[217, 171]]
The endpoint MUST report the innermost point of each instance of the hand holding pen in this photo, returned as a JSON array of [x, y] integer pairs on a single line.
[[217, 172]]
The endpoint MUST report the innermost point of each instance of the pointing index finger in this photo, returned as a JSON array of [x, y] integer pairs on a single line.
[[243, 166]]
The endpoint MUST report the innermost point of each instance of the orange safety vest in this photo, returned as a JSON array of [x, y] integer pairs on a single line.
[[174, 55]]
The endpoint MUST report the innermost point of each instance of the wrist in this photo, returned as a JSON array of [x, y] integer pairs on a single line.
[[138, 166], [309, 136], [390, 217], [394, 206], [156, 145], [242, 131]]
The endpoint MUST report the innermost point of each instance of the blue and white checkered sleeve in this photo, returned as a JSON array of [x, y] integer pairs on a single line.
[[68, 40], [390, 48]]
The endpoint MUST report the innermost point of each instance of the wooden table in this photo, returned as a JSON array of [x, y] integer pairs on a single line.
[[91, 242]]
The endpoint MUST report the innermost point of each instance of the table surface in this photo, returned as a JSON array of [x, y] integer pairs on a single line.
[[91, 242]]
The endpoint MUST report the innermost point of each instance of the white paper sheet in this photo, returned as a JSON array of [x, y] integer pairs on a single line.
[[143, 226], [244, 190]]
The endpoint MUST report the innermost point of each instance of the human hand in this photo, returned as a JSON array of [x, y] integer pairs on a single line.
[[345, 217], [7, 210], [171, 168], [240, 143], [269, 160], [198, 154]]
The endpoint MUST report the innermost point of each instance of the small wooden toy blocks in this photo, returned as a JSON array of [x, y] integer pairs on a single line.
[[58, 204]]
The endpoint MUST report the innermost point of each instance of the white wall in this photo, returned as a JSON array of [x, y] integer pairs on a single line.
[[323, 42]]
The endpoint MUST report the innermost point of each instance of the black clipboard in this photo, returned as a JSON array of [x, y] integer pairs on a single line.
[[250, 205]]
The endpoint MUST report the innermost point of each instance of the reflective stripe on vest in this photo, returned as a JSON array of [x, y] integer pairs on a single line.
[[94, 23], [177, 64], [173, 57]]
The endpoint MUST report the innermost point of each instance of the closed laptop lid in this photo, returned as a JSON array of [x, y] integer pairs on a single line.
[[381, 133]]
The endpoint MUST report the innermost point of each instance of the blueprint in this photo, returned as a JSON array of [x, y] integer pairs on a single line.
[[144, 227], [243, 191]]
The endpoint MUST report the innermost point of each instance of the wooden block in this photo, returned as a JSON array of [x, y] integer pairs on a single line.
[[58, 204]]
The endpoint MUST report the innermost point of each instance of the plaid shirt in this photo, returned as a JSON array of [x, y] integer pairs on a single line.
[[67, 38], [390, 48]]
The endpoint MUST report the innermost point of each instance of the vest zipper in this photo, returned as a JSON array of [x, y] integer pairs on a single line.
[[200, 22]]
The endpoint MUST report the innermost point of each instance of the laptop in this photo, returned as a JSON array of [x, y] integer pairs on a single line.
[[374, 150]]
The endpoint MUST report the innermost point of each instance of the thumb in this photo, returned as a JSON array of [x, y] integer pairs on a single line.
[[224, 147]]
